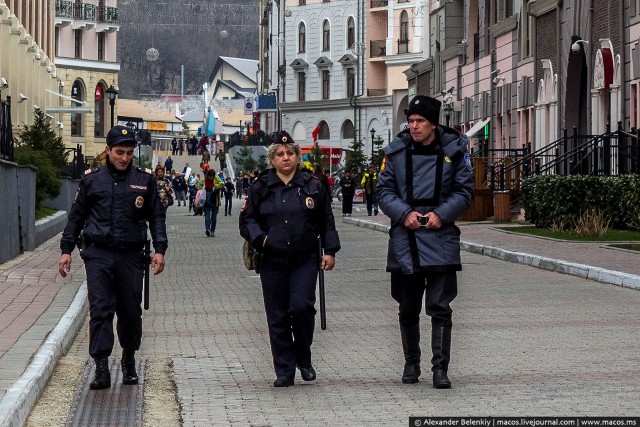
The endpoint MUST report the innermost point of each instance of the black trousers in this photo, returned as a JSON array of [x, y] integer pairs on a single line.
[[114, 283], [347, 203], [372, 202], [289, 297], [439, 290]]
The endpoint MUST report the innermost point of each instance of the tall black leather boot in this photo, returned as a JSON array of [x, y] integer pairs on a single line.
[[441, 346], [103, 376], [411, 347], [128, 364]]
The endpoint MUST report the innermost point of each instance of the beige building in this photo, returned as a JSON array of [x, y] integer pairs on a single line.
[[85, 57], [27, 67]]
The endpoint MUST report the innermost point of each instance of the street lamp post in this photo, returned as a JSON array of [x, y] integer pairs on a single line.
[[112, 94], [373, 137]]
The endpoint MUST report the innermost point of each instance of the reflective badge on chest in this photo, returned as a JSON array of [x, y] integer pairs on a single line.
[[139, 202], [310, 203]]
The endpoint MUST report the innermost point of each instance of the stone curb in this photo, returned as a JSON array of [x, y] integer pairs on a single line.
[[581, 270], [19, 400]]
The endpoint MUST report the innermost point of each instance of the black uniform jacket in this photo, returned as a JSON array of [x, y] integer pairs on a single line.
[[292, 217], [114, 207]]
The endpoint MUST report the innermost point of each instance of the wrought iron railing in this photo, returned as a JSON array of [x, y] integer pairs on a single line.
[[84, 11], [108, 15], [379, 3], [64, 9]]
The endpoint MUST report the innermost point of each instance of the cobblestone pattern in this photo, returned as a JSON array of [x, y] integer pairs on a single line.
[[525, 341]]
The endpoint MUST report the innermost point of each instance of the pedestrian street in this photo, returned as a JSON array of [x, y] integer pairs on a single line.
[[525, 342]]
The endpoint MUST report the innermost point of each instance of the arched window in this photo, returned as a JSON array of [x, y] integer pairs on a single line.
[[99, 108], [302, 38], [348, 131], [403, 42], [351, 33], [324, 130], [326, 36], [77, 92]]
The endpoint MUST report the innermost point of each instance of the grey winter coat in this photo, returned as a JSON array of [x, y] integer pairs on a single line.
[[438, 179]]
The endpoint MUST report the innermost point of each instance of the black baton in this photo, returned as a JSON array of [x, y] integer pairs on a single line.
[[323, 308], [147, 271]]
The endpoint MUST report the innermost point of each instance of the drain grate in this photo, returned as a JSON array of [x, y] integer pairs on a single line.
[[120, 405]]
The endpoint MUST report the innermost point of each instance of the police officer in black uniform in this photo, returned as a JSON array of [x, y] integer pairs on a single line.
[[113, 204], [284, 214]]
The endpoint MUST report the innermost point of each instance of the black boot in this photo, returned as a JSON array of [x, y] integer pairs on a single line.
[[441, 346], [411, 347], [128, 365], [103, 376]]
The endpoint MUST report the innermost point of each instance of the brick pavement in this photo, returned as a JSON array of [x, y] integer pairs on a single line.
[[526, 341]]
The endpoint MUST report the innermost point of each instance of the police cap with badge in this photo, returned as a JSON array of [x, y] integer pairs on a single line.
[[119, 135], [283, 138]]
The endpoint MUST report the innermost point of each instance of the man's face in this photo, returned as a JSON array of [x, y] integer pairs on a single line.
[[120, 156], [422, 130]]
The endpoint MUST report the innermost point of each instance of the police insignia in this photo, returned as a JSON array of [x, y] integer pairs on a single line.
[[310, 203], [447, 159], [124, 131], [139, 202], [384, 164], [467, 161]]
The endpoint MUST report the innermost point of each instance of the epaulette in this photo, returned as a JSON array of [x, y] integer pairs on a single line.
[[90, 170]]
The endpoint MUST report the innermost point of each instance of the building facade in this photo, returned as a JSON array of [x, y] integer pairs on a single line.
[[85, 56]]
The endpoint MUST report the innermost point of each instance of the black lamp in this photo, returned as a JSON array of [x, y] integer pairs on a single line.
[[112, 94]]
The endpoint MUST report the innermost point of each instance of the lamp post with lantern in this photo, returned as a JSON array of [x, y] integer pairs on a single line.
[[112, 94], [373, 137]]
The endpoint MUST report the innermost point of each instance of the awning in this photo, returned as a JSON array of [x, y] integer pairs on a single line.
[[476, 128]]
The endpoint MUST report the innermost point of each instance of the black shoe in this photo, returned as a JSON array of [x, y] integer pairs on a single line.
[[102, 379], [307, 374], [283, 381], [208, 233], [375, 212], [225, 214], [440, 379], [411, 373], [128, 365]]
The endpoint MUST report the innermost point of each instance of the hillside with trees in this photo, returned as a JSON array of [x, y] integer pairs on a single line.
[[192, 33]]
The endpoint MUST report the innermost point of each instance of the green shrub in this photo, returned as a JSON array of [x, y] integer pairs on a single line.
[[559, 201], [47, 182]]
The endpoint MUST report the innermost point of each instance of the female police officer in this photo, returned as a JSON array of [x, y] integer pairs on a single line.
[[285, 212], [113, 204]]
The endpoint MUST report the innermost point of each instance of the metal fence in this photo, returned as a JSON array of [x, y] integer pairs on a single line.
[[6, 133]]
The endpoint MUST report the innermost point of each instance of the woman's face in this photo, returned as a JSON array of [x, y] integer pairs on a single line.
[[160, 173], [285, 160]]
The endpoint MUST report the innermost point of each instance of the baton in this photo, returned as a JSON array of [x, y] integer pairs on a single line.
[[323, 308], [147, 271]]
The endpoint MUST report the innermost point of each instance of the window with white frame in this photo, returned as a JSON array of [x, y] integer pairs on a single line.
[[302, 85], [351, 33], [326, 84], [351, 82]]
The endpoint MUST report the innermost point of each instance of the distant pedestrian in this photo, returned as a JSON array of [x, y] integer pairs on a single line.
[[213, 186], [164, 187], [112, 208], [168, 164], [348, 187], [238, 181], [180, 189], [181, 147], [174, 148], [220, 158], [228, 196], [368, 183]]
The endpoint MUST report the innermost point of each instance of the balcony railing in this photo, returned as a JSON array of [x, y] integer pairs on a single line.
[[379, 3], [376, 92], [108, 15], [64, 9], [84, 12], [378, 48]]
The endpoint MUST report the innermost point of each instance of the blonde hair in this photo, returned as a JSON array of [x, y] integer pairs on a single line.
[[271, 151]]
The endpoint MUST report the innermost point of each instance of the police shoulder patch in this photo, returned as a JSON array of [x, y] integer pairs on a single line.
[[467, 161], [90, 170]]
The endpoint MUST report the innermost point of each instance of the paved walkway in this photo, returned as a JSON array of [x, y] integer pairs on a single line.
[[528, 342]]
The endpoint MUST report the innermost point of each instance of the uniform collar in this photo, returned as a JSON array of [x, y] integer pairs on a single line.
[[273, 179]]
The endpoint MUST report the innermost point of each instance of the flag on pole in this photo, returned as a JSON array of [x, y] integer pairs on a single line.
[[211, 123], [315, 133]]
